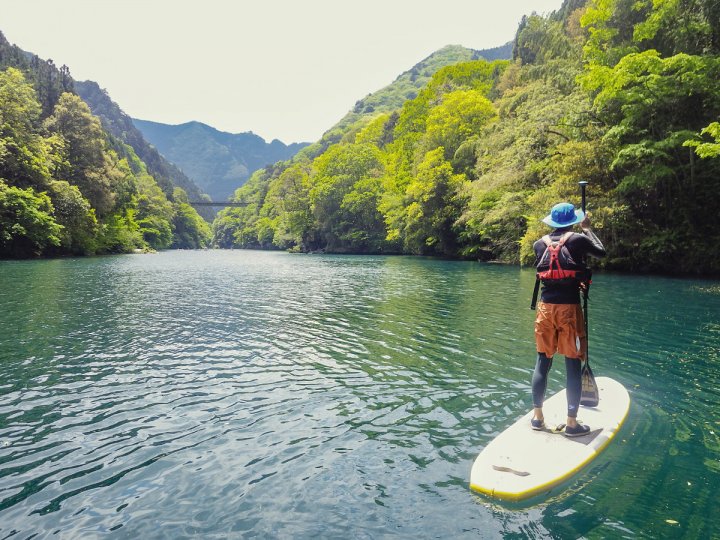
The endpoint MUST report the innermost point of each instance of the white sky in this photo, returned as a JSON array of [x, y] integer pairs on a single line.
[[285, 69]]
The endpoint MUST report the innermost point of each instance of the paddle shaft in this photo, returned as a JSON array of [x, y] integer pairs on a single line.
[[583, 186], [593, 398]]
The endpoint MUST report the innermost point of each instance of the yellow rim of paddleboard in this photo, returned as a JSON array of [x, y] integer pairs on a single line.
[[520, 495]]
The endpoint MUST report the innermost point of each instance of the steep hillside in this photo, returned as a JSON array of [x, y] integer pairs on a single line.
[[120, 125], [68, 186], [408, 84], [218, 162]]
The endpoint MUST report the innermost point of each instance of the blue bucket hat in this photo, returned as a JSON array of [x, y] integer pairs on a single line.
[[563, 215]]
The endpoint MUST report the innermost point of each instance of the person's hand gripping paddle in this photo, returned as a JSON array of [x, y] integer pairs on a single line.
[[590, 396]]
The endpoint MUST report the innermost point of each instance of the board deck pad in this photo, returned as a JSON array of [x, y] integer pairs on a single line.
[[521, 462]]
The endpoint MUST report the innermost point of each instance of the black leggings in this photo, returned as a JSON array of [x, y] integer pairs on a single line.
[[574, 382]]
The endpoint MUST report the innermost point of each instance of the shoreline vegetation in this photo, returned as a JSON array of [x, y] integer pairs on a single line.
[[613, 92], [622, 93]]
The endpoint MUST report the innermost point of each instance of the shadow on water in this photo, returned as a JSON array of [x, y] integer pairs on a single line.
[[265, 394]]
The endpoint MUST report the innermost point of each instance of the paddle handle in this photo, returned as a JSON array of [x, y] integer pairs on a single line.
[[583, 185]]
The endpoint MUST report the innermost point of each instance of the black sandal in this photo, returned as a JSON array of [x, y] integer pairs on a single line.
[[576, 431]]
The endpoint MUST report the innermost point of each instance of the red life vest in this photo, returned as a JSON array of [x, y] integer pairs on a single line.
[[557, 266]]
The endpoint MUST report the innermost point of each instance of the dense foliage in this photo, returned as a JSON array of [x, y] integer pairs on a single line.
[[622, 93], [66, 185]]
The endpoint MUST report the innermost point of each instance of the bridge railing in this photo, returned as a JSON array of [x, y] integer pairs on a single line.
[[216, 203]]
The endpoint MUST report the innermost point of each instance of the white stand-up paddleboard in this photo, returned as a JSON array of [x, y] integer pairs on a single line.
[[520, 462]]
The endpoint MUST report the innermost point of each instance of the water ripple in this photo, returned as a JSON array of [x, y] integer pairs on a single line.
[[264, 394]]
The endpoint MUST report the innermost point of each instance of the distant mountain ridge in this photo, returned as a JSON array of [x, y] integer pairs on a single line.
[[50, 81], [218, 162], [72, 182], [120, 125]]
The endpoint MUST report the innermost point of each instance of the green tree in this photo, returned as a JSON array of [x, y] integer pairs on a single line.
[[120, 233], [337, 172], [24, 154], [154, 213], [27, 226], [287, 205], [461, 115], [541, 39], [85, 162], [77, 217], [656, 106], [703, 148], [611, 24], [655, 97], [362, 229], [190, 231], [679, 26], [432, 205]]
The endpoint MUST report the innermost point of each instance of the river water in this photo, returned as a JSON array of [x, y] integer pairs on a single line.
[[243, 394]]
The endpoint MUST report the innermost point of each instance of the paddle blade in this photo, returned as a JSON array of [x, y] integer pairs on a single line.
[[590, 396]]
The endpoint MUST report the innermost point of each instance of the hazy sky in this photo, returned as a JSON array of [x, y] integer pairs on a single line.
[[285, 69]]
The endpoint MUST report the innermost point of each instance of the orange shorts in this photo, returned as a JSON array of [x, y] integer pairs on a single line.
[[560, 328]]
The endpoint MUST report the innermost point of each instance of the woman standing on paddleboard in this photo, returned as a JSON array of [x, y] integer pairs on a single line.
[[559, 324]]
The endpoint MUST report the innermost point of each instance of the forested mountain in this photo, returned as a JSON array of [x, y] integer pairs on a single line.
[[408, 84], [622, 93], [218, 162], [66, 185], [405, 87], [221, 162], [121, 127]]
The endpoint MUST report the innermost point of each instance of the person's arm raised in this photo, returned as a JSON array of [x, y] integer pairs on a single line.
[[596, 249]]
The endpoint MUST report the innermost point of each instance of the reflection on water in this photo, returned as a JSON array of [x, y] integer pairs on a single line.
[[275, 395]]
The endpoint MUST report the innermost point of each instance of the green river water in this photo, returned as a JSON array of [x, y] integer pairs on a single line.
[[242, 394]]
